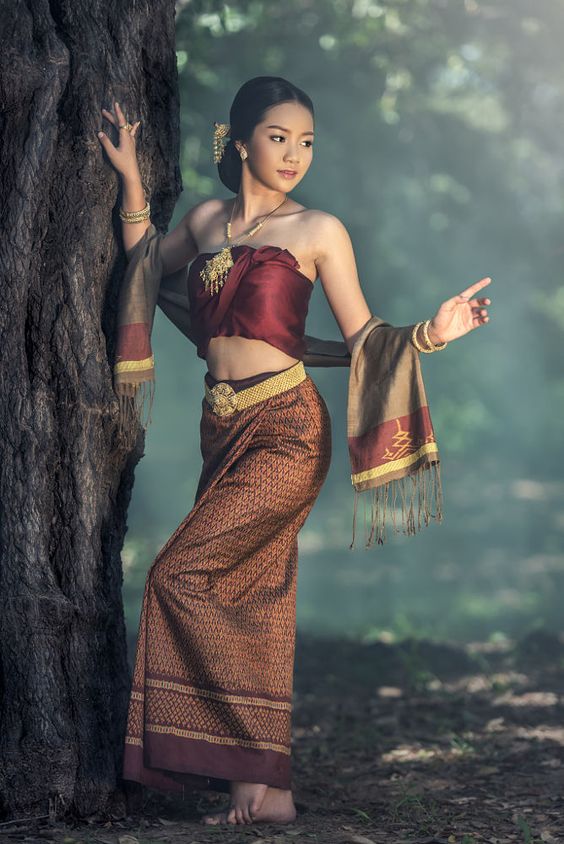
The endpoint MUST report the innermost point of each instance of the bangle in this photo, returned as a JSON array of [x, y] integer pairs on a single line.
[[416, 342], [135, 216], [435, 347], [432, 346]]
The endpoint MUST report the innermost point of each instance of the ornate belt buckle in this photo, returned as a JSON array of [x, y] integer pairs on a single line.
[[224, 398]]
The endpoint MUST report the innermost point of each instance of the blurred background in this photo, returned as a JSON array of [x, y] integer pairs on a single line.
[[439, 130]]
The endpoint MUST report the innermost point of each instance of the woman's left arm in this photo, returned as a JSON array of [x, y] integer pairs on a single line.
[[336, 267], [338, 275]]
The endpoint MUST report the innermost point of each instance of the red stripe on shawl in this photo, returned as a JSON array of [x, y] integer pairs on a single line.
[[391, 440], [133, 342]]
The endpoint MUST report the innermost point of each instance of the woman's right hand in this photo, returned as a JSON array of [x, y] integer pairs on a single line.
[[122, 157]]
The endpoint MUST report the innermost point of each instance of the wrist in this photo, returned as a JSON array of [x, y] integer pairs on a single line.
[[131, 180], [433, 336]]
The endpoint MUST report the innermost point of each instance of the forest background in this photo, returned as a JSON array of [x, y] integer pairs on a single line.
[[439, 129]]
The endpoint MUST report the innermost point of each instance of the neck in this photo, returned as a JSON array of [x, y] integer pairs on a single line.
[[249, 208]]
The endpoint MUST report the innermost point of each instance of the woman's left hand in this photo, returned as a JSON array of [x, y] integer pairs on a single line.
[[459, 315]]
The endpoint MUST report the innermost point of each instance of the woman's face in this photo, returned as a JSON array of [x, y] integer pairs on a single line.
[[283, 140]]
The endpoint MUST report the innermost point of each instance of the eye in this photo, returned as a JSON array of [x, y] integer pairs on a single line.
[[310, 143]]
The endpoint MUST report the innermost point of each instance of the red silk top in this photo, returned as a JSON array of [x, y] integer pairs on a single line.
[[264, 297]]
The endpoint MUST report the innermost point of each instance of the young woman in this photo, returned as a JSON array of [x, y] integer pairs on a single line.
[[212, 686]]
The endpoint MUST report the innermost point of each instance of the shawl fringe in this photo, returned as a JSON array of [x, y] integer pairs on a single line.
[[135, 402], [424, 485]]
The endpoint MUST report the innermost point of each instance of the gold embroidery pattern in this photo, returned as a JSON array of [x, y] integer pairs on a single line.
[[257, 745], [404, 444], [214, 717], [226, 740], [219, 606], [213, 695], [405, 452], [394, 465]]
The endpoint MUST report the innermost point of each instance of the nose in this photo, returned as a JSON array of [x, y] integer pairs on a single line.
[[292, 156]]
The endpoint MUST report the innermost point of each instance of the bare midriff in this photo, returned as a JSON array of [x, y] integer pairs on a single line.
[[239, 357]]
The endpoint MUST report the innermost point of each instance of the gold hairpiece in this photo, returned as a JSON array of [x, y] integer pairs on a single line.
[[219, 133]]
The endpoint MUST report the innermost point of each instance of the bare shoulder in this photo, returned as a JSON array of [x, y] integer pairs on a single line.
[[201, 216], [326, 233]]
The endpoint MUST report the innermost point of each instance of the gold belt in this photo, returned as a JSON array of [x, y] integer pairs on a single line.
[[224, 400]]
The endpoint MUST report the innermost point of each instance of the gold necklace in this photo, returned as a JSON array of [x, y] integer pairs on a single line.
[[215, 270]]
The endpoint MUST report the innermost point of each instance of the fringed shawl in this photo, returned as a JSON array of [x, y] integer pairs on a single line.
[[390, 436]]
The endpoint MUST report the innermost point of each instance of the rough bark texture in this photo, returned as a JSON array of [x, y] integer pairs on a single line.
[[65, 479]]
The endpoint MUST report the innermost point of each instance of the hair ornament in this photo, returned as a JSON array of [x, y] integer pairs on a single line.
[[219, 133]]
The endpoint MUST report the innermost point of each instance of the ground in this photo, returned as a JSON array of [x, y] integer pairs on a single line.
[[411, 742]]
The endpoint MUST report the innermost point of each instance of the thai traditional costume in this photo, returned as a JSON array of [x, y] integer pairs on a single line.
[[211, 696]]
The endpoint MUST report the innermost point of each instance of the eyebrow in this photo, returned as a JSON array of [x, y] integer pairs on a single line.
[[275, 126]]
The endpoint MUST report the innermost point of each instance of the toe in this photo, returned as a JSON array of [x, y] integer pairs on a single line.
[[210, 820]]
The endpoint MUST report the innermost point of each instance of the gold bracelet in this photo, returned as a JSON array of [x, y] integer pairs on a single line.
[[416, 342], [432, 347], [135, 216], [435, 347]]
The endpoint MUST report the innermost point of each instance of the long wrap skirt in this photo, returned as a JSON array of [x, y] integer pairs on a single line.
[[211, 696]]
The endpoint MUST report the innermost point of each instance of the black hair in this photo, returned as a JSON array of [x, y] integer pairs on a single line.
[[251, 101]]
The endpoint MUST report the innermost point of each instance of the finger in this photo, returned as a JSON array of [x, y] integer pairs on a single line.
[[476, 303], [109, 116], [469, 292], [105, 141], [121, 116]]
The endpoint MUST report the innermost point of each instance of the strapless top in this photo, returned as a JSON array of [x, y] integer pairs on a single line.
[[265, 296]]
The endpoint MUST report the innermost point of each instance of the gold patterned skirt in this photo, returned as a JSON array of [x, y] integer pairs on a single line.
[[211, 695]]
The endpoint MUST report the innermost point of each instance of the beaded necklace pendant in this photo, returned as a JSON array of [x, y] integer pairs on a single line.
[[215, 270]]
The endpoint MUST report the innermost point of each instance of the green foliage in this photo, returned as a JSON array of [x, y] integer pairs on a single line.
[[438, 143]]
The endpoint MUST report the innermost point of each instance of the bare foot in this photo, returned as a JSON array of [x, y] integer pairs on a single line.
[[247, 805], [277, 807], [246, 800]]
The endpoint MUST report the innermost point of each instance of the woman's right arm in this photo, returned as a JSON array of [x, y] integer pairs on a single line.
[[133, 199], [179, 246]]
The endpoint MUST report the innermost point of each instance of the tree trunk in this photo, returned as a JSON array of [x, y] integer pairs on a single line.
[[65, 478]]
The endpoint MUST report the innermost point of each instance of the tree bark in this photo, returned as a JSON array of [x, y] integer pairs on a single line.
[[65, 480]]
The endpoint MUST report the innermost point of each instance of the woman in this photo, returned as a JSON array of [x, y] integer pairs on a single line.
[[212, 686]]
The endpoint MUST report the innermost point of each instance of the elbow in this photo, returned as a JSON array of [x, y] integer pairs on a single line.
[[351, 340]]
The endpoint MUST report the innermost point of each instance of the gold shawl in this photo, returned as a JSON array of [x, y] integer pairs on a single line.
[[390, 436]]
